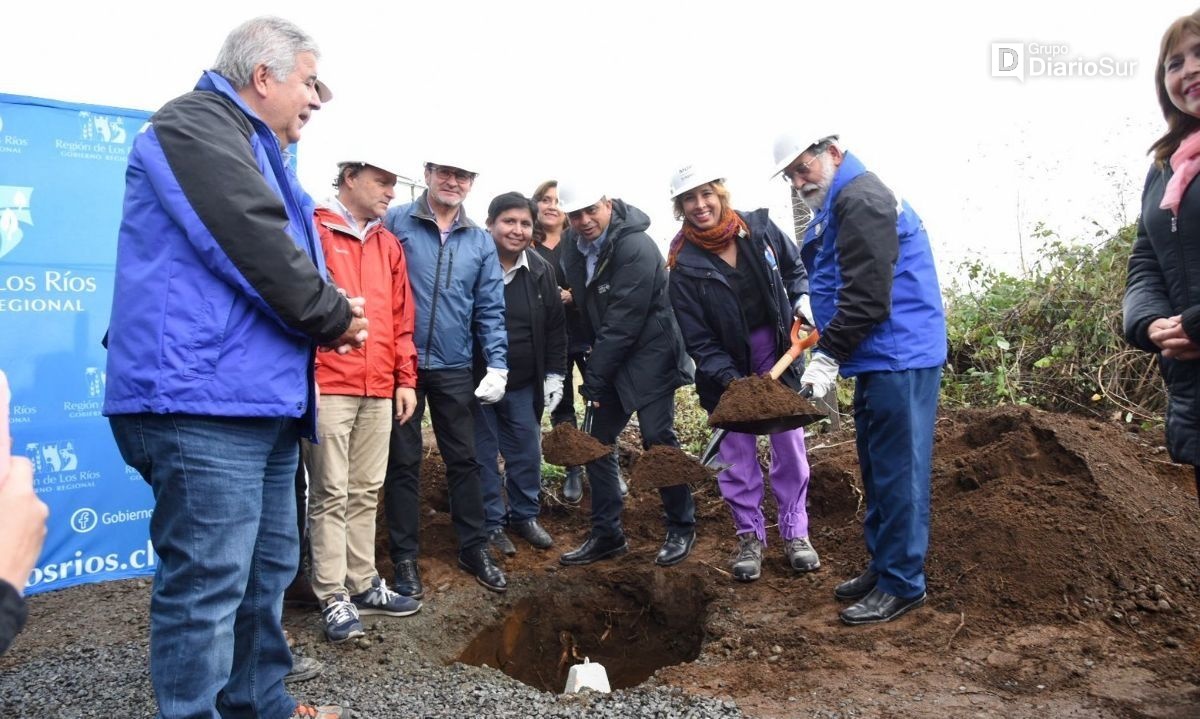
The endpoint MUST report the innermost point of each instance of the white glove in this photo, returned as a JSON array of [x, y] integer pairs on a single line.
[[552, 391], [821, 373], [491, 388], [803, 309]]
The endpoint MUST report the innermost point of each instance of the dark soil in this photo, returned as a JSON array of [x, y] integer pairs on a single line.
[[567, 446], [1063, 573], [665, 466], [760, 398]]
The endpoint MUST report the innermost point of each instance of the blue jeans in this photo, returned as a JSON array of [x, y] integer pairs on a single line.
[[509, 428], [894, 414], [224, 529]]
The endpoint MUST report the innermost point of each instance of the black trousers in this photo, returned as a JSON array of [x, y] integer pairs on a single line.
[[656, 421], [450, 394], [565, 411]]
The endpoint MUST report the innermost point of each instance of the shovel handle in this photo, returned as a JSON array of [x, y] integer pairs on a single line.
[[801, 340]]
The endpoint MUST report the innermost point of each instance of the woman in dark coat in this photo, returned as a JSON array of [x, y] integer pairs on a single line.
[[736, 280], [1162, 292]]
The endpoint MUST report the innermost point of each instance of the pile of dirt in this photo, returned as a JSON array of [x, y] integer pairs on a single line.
[[1047, 518], [567, 446], [666, 466], [1063, 575], [757, 399]]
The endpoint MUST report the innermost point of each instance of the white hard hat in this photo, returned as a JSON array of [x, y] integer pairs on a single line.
[[574, 196], [789, 146], [369, 158], [691, 177], [455, 160]]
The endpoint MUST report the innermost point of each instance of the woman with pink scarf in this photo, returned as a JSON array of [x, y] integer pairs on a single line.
[[1162, 292]]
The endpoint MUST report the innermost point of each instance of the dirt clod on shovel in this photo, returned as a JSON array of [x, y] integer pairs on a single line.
[[665, 466], [751, 399], [567, 446]]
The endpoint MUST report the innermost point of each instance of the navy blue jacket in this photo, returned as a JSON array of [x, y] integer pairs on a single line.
[[638, 354], [1164, 281], [710, 316]]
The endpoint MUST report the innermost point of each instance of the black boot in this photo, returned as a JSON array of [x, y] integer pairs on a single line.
[[572, 490]]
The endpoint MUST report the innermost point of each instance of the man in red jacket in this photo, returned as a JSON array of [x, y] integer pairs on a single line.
[[360, 391]]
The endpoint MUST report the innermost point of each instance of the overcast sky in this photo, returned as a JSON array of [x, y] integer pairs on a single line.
[[629, 91]]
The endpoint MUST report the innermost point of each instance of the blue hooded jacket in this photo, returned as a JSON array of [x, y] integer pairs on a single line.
[[219, 294]]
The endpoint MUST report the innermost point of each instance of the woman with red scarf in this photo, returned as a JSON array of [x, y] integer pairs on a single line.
[[735, 281], [1162, 291]]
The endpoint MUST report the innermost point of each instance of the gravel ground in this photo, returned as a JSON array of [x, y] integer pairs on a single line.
[[112, 682]]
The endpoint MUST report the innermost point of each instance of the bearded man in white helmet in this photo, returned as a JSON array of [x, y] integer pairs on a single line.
[[875, 300]]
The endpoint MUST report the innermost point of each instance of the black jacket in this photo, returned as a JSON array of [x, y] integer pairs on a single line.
[[578, 341], [637, 352], [549, 330], [710, 316], [1163, 281], [12, 614]]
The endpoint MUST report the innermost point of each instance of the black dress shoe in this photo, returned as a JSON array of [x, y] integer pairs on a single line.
[[878, 607], [595, 549], [572, 490], [408, 579], [477, 561], [498, 539], [675, 549], [532, 532], [857, 588]]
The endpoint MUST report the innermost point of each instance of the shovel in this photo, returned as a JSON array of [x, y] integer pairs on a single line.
[[801, 340]]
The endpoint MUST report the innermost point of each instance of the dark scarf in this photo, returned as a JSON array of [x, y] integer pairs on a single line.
[[713, 240]]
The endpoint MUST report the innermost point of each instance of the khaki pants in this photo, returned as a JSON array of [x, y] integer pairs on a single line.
[[345, 471]]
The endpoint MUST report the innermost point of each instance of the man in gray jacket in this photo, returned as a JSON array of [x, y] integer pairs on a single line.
[[456, 281]]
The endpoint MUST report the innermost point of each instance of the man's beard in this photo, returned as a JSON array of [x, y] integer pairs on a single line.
[[816, 198]]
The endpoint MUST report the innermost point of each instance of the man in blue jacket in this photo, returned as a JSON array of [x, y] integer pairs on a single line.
[[876, 302], [218, 303], [457, 283]]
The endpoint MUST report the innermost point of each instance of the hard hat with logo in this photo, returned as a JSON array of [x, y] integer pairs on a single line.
[[690, 177], [574, 196], [789, 146]]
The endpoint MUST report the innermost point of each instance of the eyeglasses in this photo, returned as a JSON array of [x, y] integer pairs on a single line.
[[802, 168], [445, 173]]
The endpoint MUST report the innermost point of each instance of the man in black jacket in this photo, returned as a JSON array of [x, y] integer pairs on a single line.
[[637, 360]]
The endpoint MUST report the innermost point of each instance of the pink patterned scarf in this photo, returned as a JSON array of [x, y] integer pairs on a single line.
[[1185, 162]]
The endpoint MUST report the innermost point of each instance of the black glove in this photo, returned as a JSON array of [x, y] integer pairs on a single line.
[[590, 393]]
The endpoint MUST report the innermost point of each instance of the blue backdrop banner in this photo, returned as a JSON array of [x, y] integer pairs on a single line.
[[62, 168]]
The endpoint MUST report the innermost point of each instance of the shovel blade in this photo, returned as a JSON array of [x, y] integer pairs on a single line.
[[712, 449]]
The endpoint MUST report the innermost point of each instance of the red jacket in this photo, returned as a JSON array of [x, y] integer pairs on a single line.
[[373, 269]]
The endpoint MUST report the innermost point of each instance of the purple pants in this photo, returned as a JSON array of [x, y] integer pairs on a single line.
[[742, 484]]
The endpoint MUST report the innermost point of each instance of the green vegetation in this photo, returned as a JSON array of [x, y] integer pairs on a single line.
[[1051, 339]]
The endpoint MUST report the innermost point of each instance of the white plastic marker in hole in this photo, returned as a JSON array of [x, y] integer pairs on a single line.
[[589, 675]]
